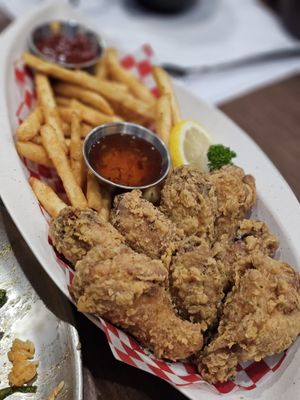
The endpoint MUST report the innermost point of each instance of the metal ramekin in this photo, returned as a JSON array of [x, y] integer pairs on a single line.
[[70, 28], [129, 129]]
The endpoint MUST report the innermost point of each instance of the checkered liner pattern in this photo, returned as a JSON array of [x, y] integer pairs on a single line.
[[123, 346]]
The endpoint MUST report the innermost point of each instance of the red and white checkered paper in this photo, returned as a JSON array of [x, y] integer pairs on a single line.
[[123, 346]]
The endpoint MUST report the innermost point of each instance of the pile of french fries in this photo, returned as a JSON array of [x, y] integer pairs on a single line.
[[72, 102]]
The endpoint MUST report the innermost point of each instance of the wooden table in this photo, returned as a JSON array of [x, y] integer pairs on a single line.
[[271, 117]]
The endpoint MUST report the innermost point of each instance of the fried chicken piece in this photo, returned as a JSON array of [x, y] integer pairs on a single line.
[[188, 199], [75, 231], [125, 287], [261, 317], [23, 370], [197, 284], [200, 276], [129, 289], [250, 236], [236, 194], [254, 235], [145, 228]]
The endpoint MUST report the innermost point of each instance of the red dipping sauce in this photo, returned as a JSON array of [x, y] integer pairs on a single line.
[[68, 49], [126, 160]]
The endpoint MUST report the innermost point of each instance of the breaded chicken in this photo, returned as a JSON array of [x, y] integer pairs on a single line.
[[201, 276], [188, 199], [236, 194], [261, 316], [75, 231], [146, 229], [254, 235], [197, 284], [23, 369], [129, 289], [249, 237]]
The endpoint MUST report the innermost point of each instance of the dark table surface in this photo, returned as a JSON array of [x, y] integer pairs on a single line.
[[271, 117]]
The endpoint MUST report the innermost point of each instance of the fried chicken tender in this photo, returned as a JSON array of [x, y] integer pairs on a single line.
[[129, 289], [188, 199], [261, 316], [75, 231], [197, 284], [23, 370], [236, 194], [146, 229]]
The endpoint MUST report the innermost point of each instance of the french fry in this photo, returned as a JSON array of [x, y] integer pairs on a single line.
[[101, 68], [46, 99], [130, 108], [93, 192], [66, 113], [85, 129], [80, 78], [120, 74], [106, 197], [114, 92], [163, 120], [34, 152], [47, 197], [31, 125], [55, 26], [92, 116], [38, 140], [62, 101], [60, 161], [76, 156], [165, 86], [66, 128], [85, 96], [56, 391]]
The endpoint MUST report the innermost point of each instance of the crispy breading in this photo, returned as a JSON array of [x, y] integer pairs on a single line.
[[248, 237], [261, 316], [220, 277], [129, 289], [200, 276], [197, 284], [75, 231], [23, 370], [145, 228], [188, 199], [236, 194]]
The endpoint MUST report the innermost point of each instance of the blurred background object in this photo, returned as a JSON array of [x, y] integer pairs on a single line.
[[204, 32], [290, 14], [5, 18], [167, 6]]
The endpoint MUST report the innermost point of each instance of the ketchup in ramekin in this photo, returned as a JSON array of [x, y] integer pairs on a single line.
[[61, 47], [67, 43]]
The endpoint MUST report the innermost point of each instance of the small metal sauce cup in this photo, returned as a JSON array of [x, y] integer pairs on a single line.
[[128, 129], [69, 28]]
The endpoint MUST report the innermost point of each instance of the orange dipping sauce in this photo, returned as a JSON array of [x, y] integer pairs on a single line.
[[126, 160]]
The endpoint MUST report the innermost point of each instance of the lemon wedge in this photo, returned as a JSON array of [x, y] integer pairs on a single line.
[[189, 143]]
